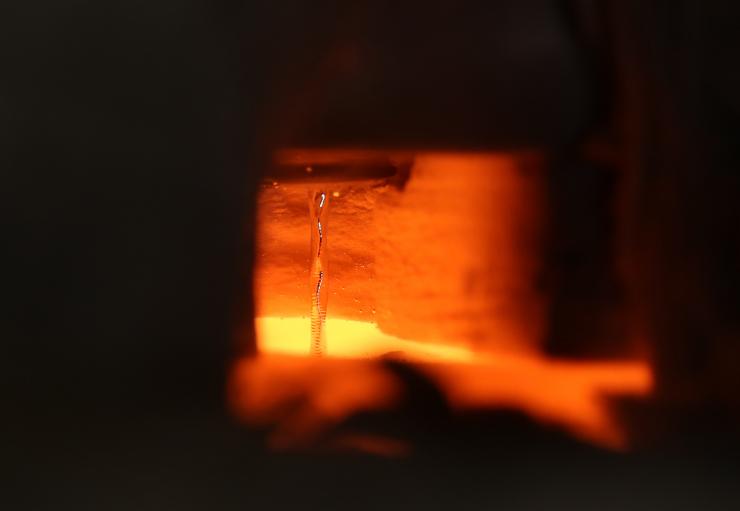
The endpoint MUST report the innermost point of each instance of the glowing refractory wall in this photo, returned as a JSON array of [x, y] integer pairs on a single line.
[[452, 257]]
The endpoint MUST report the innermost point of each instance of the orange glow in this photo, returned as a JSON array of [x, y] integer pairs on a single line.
[[568, 394], [301, 397], [440, 273], [349, 339], [450, 257]]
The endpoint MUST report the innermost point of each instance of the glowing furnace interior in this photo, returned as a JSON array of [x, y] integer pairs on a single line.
[[437, 264]]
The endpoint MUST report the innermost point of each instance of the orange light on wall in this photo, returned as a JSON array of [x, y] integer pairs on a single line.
[[438, 268]]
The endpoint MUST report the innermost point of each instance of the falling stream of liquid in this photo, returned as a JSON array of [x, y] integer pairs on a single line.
[[318, 206]]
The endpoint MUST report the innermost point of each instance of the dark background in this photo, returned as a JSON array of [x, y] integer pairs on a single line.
[[132, 137]]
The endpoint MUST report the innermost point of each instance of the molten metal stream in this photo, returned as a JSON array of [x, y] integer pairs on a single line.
[[318, 205]]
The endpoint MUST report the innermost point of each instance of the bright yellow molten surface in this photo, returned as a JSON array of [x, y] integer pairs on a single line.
[[347, 338]]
